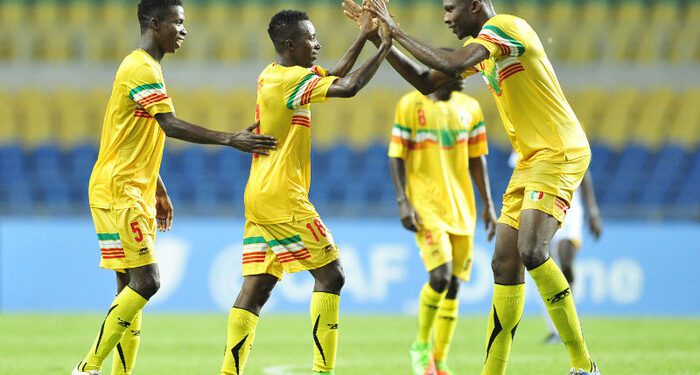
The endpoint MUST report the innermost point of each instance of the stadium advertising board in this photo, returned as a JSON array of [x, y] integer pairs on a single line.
[[51, 265]]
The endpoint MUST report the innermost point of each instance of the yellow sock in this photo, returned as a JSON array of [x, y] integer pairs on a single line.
[[429, 303], [506, 311], [239, 340], [119, 318], [556, 293], [124, 358], [325, 314], [445, 325]]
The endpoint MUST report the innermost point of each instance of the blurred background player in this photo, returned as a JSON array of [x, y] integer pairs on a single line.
[[283, 231], [126, 191], [437, 143], [569, 238], [554, 154]]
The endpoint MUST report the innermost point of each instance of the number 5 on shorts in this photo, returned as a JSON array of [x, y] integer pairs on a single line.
[[135, 229]]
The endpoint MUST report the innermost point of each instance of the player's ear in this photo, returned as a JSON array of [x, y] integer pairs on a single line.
[[153, 24], [288, 45], [475, 5]]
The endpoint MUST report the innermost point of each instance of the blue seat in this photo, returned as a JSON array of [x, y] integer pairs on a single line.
[[231, 166], [194, 163], [340, 160], [80, 161], [630, 175], [13, 164], [669, 167], [47, 162], [19, 197]]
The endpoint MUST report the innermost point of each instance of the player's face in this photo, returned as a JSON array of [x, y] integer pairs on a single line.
[[460, 18], [305, 45], [171, 31]]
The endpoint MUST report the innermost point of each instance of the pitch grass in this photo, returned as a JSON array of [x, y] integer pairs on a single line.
[[194, 344]]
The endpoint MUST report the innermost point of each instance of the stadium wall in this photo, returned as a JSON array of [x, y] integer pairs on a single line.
[[50, 265]]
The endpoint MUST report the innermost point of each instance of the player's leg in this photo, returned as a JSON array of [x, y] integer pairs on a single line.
[[143, 284], [133, 251], [243, 320], [566, 251], [508, 298], [537, 228], [261, 271], [124, 357], [448, 312], [325, 315], [436, 253]]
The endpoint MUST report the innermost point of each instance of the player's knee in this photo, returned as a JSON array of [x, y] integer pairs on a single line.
[[506, 270], [439, 281], [331, 282], [146, 285], [533, 251]]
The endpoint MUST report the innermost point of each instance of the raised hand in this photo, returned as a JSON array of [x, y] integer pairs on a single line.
[[379, 9], [248, 141], [385, 32], [352, 10]]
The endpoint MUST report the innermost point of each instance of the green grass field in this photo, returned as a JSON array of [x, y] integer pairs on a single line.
[[193, 345]]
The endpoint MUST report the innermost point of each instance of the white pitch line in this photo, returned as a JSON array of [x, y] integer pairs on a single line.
[[286, 370]]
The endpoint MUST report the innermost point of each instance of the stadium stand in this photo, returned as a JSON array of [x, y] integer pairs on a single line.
[[645, 142]]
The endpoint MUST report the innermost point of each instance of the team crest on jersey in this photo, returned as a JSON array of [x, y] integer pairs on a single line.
[[465, 118], [498, 73], [536, 195]]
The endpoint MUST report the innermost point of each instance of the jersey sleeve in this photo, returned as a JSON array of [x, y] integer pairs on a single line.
[[402, 131], [478, 146], [500, 37], [147, 89], [303, 86]]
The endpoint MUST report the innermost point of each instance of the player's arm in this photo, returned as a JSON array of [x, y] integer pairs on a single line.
[[451, 63], [164, 207], [351, 84], [345, 64], [595, 222], [423, 79], [480, 175], [409, 217], [245, 140]]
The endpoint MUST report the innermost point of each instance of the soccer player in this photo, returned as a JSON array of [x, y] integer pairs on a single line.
[[437, 143], [553, 151], [569, 238], [128, 199], [283, 232]]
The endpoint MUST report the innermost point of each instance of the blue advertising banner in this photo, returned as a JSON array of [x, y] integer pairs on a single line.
[[51, 265]]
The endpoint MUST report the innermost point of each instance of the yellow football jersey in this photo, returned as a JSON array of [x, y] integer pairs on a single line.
[[278, 185], [538, 120], [436, 140], [131, 148]]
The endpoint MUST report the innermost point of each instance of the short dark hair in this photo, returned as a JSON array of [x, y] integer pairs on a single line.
[[284, 25], [149, 9]]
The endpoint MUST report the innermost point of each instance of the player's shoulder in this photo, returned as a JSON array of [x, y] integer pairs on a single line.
[[138, 62], [508, 23], [297, 72]]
